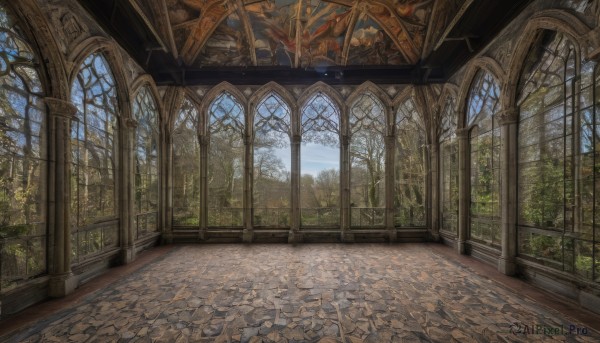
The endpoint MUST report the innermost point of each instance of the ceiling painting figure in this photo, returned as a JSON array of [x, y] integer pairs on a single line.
[[300, 33]]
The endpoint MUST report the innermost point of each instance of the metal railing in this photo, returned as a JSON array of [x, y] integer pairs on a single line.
[[225, 217], [320, 217], [146, 223], [94, 239], [22, 253], [367, 217], [276, 217]]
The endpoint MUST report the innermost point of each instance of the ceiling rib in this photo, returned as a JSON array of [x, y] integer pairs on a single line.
[[455, 20], [243, 14]]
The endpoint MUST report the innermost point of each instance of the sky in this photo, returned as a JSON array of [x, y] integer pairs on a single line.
[[313, 158]]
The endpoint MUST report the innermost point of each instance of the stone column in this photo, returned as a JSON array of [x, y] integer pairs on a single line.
[[434, 186], [248, 234], [295, 236], [204, 142], [172, 99], [464, 189], [60, 113], [390, 146], [508, 194], [165, 209], [346, 235], [128, 230]]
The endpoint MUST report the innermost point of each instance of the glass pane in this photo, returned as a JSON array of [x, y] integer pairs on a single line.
[[367, 161], [320, 163], [146, 160], [226, 162], [272, 162], [410, 168], [22, 159], [483, 104], [186, 167], [94, 151]]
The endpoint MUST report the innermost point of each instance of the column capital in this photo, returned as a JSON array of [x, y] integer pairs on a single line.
[[130, 123], [61, 108], [508, 116], [462, 133]]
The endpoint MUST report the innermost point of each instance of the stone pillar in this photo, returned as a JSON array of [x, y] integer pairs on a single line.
[[60, 113], [172, 101], [204, 142], [165, 209], [508, 193], [434, 193], [390, 146], [295, 236], [346, 235], [128, 231], [464, 189], [248, 233]]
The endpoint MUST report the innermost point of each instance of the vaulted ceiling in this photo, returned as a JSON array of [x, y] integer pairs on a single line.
[[196, 41]]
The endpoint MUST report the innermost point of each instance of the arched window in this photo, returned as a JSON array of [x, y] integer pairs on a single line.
[[320, 163], [146, 163], [557, 166], [449, 167], [22, 159], [94, 148], [226, 162], [272, 162], [484, 141], [367, 162], [410, 173], [186, 167]]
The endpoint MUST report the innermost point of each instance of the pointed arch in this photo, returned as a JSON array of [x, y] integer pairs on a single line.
[[553, 20], [212, 95], [258, 96], [110, 52], [486, 64], [326, 89], [54, 74], [146, 80], [373, 88]]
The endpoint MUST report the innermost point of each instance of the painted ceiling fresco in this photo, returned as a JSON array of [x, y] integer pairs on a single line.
[[302, 33]]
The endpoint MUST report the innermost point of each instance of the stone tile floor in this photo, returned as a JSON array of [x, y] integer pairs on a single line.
[[307, 293]]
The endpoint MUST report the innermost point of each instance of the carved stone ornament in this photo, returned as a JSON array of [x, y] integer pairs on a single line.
[[61, 108], [71, 27], [510, 116]]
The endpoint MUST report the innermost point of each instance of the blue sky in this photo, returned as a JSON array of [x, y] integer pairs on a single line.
[[313, 158]]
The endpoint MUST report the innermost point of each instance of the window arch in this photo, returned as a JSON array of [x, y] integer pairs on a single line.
[[226, 161], [367, 161], [146, 157], [22, 159], [484, 142], [449, 170], [186, 167], [94, 149], [410, 172], [557, 162], [272, 162], [320, 162]]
